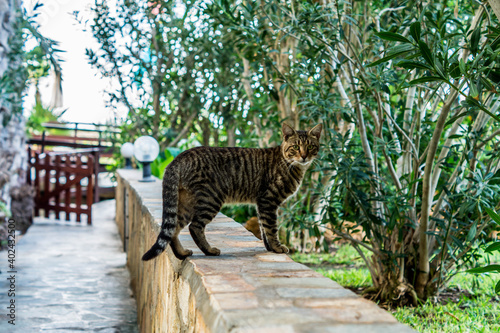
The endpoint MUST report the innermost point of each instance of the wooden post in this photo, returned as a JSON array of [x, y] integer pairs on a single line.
[[36, 164], [43, 142], [90, 190], [67, 194], [57, 185], [96, 175], [46, 184], [76, 132], [28, 173], [78, 185]]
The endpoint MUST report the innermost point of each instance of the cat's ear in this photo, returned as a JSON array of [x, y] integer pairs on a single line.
[[287, 131], [316, 131]]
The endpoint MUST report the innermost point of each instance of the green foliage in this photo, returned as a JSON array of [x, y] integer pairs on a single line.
[[493, 247], [38, 63], [408, 99], [25, 64], [40, 115], [163, 160], [4, 209], [240, 213], [13, 80], [176, 74]]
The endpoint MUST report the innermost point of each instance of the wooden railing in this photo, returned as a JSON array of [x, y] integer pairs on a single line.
[[64, 183], [84, 135]]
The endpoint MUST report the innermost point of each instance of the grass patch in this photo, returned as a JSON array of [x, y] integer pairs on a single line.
[[350, 278], [345, 255], [345, 266], [467, 315]]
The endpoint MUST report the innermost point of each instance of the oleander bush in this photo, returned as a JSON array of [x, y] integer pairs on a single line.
[[407, 93]]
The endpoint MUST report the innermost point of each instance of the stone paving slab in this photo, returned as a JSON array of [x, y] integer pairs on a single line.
[[70, 277]]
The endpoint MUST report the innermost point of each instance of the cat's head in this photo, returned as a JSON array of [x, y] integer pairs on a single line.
[[300, 147]]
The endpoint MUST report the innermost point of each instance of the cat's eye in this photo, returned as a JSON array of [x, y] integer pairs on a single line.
[[295, 147], [310, 147]]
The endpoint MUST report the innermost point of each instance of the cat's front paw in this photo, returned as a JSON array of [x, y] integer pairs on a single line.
[[213, 252], [280, 249]]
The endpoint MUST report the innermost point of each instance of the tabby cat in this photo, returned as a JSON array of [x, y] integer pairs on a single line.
[[200, 180]]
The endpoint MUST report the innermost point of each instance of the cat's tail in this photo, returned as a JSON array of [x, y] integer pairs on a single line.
[[169, 219]]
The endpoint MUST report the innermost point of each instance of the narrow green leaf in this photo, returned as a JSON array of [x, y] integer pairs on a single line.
[[415, 31], [473, 90], [497, 287], [393, 37], [439, 68], [474, 40], [385, 59], [400, 49], [426, 52], [494, 45], [413, 64], [494, 216], [486, 84], [461, 64], [493, 247], [454, 70], [472, 232], [485, 269], [425, 79]]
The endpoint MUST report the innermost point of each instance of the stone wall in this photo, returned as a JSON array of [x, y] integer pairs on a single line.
[[245, 289]]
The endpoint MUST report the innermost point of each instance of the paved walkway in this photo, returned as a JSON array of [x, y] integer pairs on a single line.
[[70, 278]]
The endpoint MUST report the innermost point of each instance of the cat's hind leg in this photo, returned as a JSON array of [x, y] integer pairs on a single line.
[[179, 251], [185, 214], [205, 211]]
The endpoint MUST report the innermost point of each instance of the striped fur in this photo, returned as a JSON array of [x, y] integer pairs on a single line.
[[200, 180]]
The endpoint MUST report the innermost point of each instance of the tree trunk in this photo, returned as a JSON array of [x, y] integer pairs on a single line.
[[13, 160]]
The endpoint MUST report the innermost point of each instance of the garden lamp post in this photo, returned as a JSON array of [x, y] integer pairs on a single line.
[[127, 151], [146, 150]]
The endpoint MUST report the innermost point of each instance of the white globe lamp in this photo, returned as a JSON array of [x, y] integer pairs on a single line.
[[127, 151], [146, 149]]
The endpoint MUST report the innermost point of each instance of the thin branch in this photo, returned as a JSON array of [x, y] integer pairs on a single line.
[[414, 150], [353, 240], [184, 131], [393, 173], [444, 153], [489, 138]]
